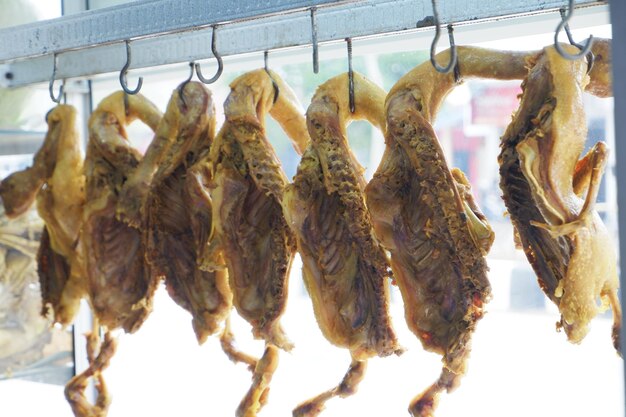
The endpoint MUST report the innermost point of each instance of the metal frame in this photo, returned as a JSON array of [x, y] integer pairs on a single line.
[[167, 32], [135, 20], [618, 11]]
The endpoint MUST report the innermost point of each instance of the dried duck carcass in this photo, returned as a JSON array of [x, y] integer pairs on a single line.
[[550, 193], [249, 231], [345, 269]]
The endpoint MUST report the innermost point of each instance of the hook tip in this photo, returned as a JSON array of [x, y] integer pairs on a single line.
[[56, 99], [453, 53], [566, 15], [135, 90]]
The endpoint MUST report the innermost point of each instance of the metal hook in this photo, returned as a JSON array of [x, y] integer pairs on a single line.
[[350, 77], [584, 49], [220, 63], [126, 105], [124, 71], [56, 99], [267, 70], [433, 46], [316, 61], [182, 85], [191, 65]]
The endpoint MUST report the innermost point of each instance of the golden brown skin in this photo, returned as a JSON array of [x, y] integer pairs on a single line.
[[167, 149], [60, 204], [248, 225], [249, 231], [60, 196], [119, 286], [600, 83], [345, 268], [348, 386], [178, 210], [258, 393], [227, 341], [19, 190], [99, 354], [425, 216], [550, 194], [57, 182]]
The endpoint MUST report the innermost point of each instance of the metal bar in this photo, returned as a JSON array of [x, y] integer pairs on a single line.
[[137, 19], [409, 40], [335, 22], [15, 142], [618, 11]]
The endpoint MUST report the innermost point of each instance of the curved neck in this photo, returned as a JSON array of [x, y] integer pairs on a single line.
[[429, 87], [253, 96], [334, 96]]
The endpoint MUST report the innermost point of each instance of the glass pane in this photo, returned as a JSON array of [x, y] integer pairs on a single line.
[[36, 360], [30, 349]]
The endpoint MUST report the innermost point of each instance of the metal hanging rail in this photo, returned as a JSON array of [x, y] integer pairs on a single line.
[[170, 31], [136, 19]]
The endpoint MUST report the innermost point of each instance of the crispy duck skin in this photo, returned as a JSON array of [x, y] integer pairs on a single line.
[[600, 83], [344, 267], [56, 182], [119, 286], [178, 210], [425, 216], [550, 194], [173, 138], [249, 231], [19, 190], [248, 227], [60, 202]]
